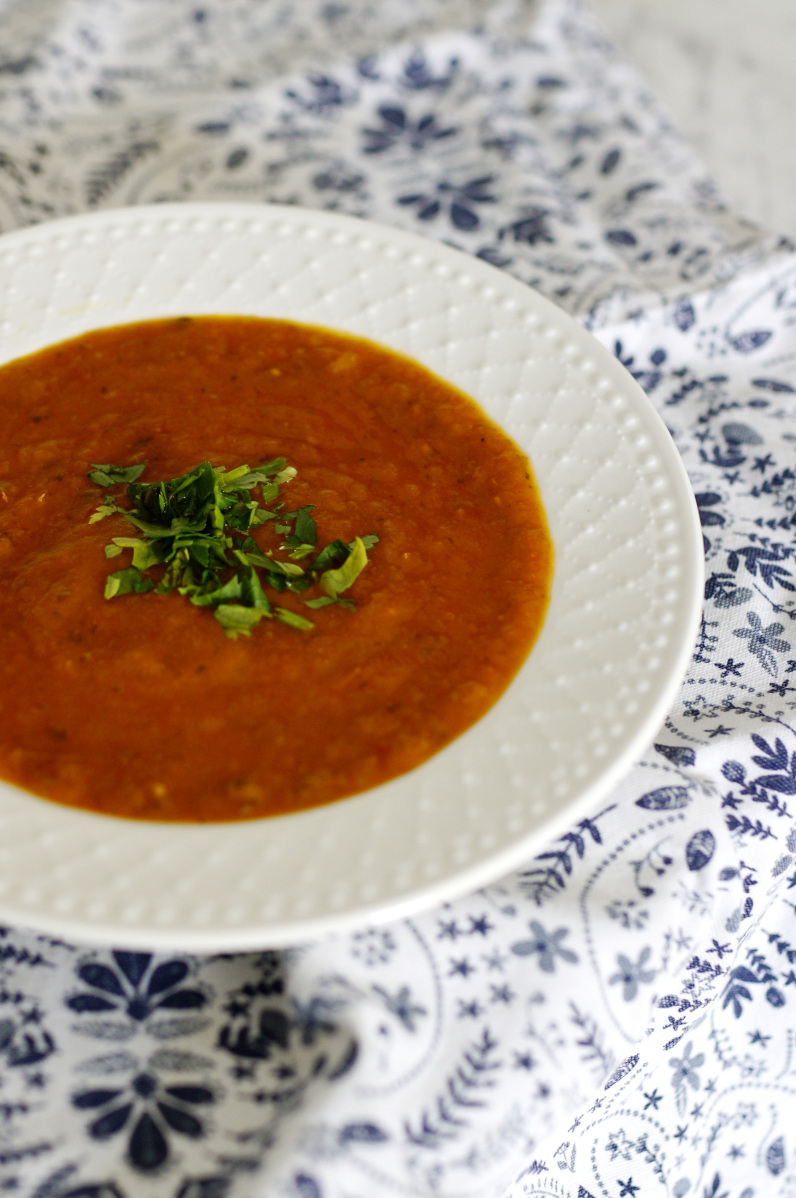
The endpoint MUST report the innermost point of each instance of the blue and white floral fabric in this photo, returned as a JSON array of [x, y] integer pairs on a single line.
[[618, 1019]]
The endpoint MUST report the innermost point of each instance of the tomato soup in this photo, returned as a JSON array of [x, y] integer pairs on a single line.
[[141, 706]]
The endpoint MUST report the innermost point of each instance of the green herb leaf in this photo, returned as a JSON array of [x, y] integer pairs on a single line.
[[321, 601], [127, 582], [233, 589], [272, 467], [252, 592], [111, 476], [237, 620], [305, 526], [287, 568], [301, 551], [333, 582], [325, 600], [284, 476], [145, 554], [103, 511], [277, 581], [332, 555], [259, 516], [294, 620]]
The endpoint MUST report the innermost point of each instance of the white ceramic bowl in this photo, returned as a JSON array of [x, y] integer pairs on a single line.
[[594, 690]]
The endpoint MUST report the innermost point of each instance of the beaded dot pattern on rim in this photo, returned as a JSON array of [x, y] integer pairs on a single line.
[[614, 646]]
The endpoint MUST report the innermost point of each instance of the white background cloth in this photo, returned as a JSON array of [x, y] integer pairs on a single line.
[[723, 70]]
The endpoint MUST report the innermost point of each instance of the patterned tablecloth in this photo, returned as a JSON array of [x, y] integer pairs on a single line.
[[617, 1019]]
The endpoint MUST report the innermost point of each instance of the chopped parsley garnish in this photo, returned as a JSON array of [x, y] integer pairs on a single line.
[[196, 532], [110, 476]]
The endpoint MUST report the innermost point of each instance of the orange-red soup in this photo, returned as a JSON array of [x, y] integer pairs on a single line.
[[141, 706]]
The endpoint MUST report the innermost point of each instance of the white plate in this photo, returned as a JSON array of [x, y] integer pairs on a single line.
[[616, 640]]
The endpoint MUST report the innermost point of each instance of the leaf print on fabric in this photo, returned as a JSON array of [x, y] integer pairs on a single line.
[[763, 561], [611, 161], [546, 946], [621, 1071], [669, 798], [591, 1042], [236, 158], [684, 315], [727, 458], [740, 979], [362, 1133], [306, 1186], [733, 771], [338, 177], [418, 75], [744, 826], [545, 880], [464, 1091], [104, 178], [775, 1156], [712, 1191], [782, 777], [621, 237], [773, 385], [632, 974], [700, 849], [678, 754], [648, 378], [325, 93], [724, 590], [706, 500], [531, 227], [735, 433], [763, 642], [748, 342]]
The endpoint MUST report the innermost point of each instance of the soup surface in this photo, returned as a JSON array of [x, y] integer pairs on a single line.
[[141, 706]]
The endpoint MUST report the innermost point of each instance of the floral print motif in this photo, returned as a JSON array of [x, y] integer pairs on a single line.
[[397, 128], [763, 642], [136, 987], [685, 1068], [546, 946], [632, 974], [151, 1111], [458, 200]]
